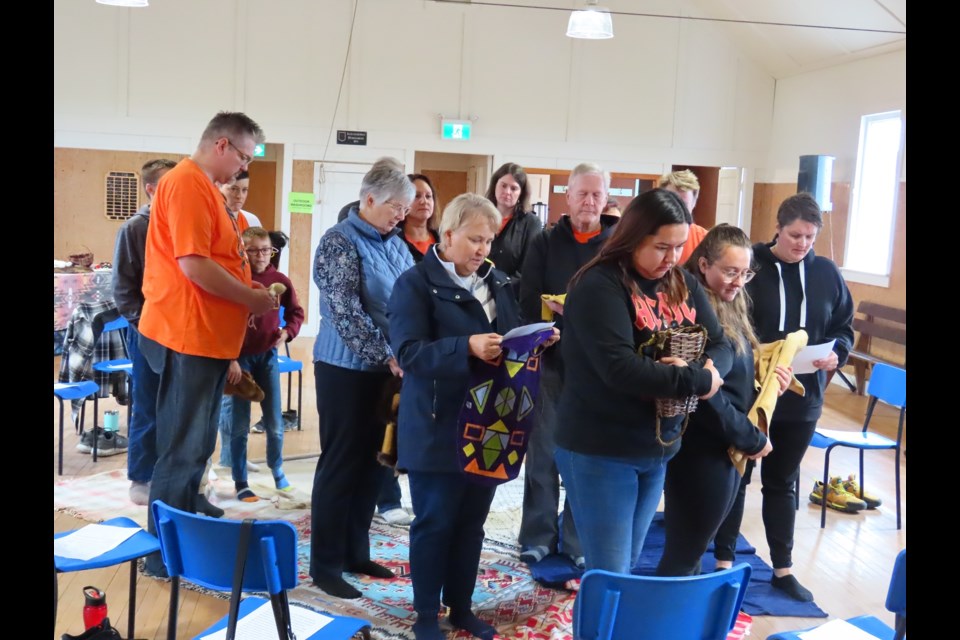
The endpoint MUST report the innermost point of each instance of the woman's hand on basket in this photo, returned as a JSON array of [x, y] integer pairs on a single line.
[[716, 381], [485, 346]]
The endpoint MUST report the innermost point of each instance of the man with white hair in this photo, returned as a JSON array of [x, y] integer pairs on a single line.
[[556, 254]]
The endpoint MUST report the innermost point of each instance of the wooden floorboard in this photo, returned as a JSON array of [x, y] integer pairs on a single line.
[[847, 565]]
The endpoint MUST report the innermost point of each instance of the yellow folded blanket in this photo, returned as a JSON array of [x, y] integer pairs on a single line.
[[546, 313], [765, 361]]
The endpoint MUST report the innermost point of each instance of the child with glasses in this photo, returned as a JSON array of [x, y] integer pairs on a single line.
[[259, 357]]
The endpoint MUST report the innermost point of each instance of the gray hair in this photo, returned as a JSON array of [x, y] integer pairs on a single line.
[[465, 208], [386, 180], [589, 168]]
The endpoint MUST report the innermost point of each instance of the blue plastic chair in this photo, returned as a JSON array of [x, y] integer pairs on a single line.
[[887, 383], [73, 391], [612, 606], [137, 546], [896, 603], [112, 321], [203, 550], [288, 365]]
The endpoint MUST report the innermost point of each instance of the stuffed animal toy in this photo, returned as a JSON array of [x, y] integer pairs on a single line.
[[247, 388]]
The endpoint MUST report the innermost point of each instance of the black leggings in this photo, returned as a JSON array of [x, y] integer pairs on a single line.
[[778, 475], [700, 488]]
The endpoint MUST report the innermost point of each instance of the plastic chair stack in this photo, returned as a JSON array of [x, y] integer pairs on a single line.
[[73, 391], [288, 365]]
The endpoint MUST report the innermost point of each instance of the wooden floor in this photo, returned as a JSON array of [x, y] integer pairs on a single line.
[[847, 565]]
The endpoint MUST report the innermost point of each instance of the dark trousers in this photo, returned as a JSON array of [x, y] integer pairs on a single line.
[[348, 477], [446, 539], [390, 496], [539, 526], [142, 430], [699, 490], [778, 475], [188, 410]]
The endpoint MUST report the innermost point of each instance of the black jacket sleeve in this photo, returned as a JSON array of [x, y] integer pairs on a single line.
[[718, 348], [840, 325], [127, 281], [532, 285]]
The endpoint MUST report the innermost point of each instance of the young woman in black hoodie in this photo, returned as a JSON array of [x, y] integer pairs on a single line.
[[612, 452], [794, 289], [701, 480]]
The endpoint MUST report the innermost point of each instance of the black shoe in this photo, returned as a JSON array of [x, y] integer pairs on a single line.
[[102, 631], [792, 587], [202, 505], [257, 426]]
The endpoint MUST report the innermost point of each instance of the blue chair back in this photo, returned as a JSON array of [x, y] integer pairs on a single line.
[[888, 383], [613, 606], [283, 322], [204, 550], [114, 325], [897, 594]]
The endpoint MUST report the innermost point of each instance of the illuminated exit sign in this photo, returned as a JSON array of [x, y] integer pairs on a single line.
[[259, 150], [456, 129]]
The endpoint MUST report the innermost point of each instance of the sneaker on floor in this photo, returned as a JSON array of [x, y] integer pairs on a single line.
[[252, 468], [851, 486], [397, 516], [140, 493], [290, 420], [534, 554], [838, 498], [257, 426], [109, 443]]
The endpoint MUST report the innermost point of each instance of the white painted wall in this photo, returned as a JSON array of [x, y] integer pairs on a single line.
[[148, 79], [819, 113]]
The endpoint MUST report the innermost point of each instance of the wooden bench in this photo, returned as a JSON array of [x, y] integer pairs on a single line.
[[877, 322]]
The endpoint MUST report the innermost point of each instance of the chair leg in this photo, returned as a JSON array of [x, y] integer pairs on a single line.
[[862, 481], [60, 449], [132, 615], [174, 605], [289, 390], [299, 400], [826, 486], [896, 475], [96, 412]]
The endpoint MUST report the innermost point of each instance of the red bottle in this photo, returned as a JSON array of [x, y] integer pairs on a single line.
[[94, 606]]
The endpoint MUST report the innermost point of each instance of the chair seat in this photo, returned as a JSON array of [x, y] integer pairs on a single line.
[[869, 624], [288, 365], [121, 365], [338, 627], [824, 438], [75, 390], [136, 546]]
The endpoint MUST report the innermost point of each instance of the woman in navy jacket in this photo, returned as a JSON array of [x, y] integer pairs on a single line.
[[449, 308]]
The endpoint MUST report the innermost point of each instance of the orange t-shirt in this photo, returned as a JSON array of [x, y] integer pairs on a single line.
[[422, 245], [582, 238], [188, 217], [695, 237], [503, 223]]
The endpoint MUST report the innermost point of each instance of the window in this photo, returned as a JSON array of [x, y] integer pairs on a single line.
[[874, 200]]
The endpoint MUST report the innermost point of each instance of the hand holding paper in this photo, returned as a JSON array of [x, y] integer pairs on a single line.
[[805, 358]]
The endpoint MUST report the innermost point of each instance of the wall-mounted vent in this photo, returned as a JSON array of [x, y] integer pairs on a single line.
[[120, 194]]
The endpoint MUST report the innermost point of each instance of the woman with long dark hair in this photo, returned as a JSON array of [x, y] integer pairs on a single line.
[[612, 447], [509, 193]]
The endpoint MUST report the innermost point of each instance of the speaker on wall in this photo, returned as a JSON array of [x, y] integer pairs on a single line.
[[814, 178]]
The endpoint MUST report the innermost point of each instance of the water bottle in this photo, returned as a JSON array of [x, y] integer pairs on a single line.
[[94, 606], [111, 420]]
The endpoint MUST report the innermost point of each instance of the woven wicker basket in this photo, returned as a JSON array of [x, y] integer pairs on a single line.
[[82, 259], [688, 344]]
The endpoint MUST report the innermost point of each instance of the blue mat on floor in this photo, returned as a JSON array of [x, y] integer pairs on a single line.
[[761, 599]]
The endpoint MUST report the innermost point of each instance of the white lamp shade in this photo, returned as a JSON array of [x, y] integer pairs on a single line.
[[594, 23], [125, 3]]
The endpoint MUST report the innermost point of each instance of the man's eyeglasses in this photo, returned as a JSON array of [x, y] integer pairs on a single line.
[[732, 275], [244, 158], [263, 251], [398, 208]]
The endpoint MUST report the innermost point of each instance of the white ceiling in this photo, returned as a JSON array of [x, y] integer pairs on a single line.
[[800, 35]]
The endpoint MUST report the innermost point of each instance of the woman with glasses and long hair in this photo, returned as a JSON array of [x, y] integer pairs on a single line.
[[355, 267], [509, 193], [612, 449], [702, 481], [794, 289]]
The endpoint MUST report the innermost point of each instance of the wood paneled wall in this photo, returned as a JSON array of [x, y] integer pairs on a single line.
[[301, 253]]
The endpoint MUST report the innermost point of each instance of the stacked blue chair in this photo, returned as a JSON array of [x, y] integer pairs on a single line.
[[119, 365], [288, 365], [612, 606], [137, 546], [235, 556], [73, 391], [896, 603]]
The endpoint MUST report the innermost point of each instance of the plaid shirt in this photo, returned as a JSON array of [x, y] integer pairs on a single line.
[[80, 351]]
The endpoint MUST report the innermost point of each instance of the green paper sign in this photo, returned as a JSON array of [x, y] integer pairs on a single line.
[[301, 202]]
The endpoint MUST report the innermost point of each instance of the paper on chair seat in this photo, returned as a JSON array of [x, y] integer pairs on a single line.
[[91, 541], [260, 623], [837, 630]]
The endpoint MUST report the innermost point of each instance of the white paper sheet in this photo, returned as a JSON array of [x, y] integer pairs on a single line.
[[527, 329], [837, 630], [803, 361], [259, 624], [91, 541]]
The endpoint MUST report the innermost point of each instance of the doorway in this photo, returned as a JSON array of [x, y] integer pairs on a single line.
[[453, 174]]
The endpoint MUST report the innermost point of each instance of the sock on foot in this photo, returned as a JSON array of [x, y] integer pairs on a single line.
[[372, 569], [792, 587], [337, 586], [281, 481], [427, 627], [245, 493], [466, 620]]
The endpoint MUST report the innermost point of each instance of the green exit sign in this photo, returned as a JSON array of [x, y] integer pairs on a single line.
[[456, 129], [259, 150]]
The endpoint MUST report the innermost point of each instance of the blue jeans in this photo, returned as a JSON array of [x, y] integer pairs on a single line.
[[615, 500], [226, 428], [142, 432], [266, 372], [188, 408], [389, 497]]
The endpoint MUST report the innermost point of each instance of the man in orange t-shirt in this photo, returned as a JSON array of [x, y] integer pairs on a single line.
[[198, 294], [685, 184]]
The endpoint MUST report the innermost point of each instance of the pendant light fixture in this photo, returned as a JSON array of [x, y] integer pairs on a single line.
[[590, 23], [125, 3]]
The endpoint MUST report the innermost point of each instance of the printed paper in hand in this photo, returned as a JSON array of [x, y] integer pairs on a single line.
[[91, 541], [259, 624], [803, 361], [527, 329], [837, 630]]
